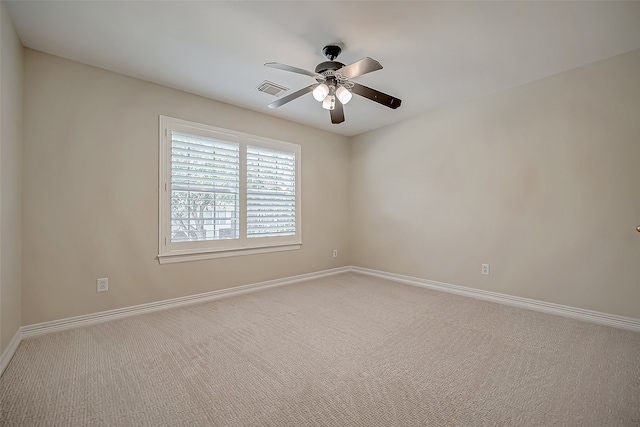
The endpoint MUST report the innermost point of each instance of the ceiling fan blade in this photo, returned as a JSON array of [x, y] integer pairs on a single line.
[[337, 114], [294, 95], [358, 68], [284, 67], [377, 96]]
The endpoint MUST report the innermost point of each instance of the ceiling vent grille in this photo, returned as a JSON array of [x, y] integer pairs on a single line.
[[272, 88]]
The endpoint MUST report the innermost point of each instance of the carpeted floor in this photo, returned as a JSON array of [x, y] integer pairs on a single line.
[[346, 350]]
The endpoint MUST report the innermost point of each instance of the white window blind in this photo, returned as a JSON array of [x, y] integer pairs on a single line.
[[271, 193], [225, 193], [205, 188]]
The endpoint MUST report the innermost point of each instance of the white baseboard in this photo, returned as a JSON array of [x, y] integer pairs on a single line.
[[8, 353], [105, 316], [621, 322], [120, 313]]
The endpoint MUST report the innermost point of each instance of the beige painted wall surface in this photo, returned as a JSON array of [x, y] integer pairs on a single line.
[[541, 181], [91, 198], [10, 179]]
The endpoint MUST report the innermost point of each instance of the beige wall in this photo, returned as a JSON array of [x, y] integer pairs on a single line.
[[10, 179], [91, 198], [541, 181]]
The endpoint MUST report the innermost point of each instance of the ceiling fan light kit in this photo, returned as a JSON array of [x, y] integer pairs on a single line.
[[329, 102], [321, 92], [343, 95], [333, 87]]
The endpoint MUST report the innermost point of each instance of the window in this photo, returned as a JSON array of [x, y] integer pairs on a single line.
[[224, 193]]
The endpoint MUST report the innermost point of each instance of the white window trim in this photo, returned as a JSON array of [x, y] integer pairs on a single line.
[[168, 253]]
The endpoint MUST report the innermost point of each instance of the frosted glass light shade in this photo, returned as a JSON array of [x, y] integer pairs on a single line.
[[329, 102], [320, 92], [343, 95]]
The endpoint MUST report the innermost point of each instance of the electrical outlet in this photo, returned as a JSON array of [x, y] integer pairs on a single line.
[[485, 269], [335, 253], [102, 285]]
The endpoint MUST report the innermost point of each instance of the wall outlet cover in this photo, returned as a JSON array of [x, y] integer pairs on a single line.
[[485, 269]]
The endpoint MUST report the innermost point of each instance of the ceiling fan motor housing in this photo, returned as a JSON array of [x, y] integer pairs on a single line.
[[328, 66]]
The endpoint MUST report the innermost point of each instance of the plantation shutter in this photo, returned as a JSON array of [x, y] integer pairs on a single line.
[[271, 192], [205, 183]]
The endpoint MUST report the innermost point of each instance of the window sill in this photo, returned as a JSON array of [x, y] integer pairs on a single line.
[[172, 258]]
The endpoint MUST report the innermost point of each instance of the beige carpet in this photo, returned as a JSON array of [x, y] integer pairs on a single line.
[[347, 350]]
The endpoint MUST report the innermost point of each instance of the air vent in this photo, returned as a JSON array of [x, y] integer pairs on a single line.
[[271, 88]]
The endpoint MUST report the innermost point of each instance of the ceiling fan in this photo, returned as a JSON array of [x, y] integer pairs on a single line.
[[333, 86]]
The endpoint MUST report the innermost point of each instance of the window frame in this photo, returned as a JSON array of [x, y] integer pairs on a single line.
[[171, 252]]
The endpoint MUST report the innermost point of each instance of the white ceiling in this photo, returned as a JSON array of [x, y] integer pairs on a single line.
[[434, 54]]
